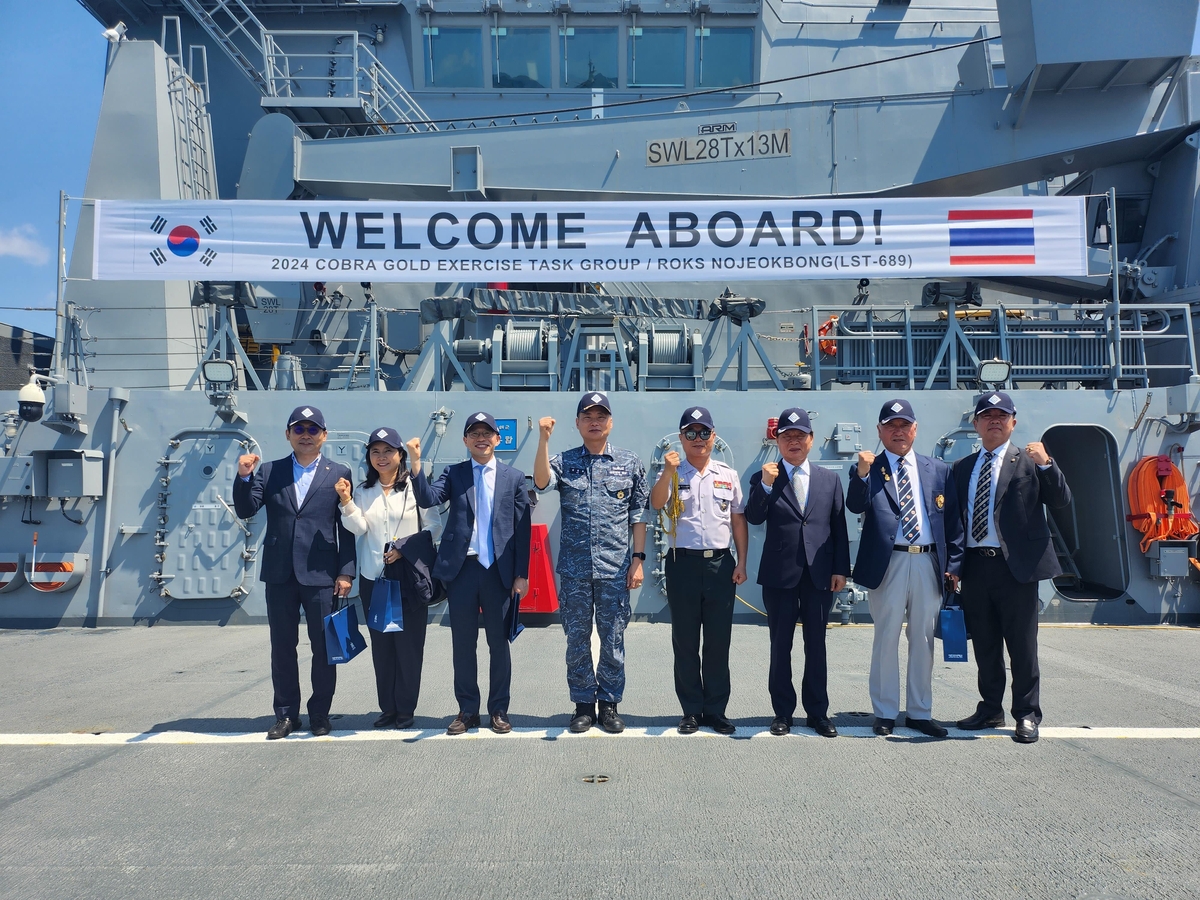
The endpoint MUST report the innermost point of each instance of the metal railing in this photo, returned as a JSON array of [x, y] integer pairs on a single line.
[[903, 348]]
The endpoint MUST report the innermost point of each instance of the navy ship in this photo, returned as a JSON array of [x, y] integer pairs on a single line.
[[120, 452]]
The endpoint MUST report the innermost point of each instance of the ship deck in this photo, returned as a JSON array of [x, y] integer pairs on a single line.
[[133, 764]]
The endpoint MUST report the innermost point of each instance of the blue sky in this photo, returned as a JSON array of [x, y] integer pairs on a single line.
[[52, 70]]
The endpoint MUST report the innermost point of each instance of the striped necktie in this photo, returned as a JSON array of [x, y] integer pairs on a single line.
[[983, 496], [908, 507]]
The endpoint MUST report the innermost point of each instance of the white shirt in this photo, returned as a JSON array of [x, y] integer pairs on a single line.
[[378, 519], [789, 470], [710, 498], [914, 481], [478, 546], [998, 455]]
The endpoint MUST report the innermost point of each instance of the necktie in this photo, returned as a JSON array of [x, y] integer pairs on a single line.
[[983, 494], [908, 508], [483, 518], [799, 488]]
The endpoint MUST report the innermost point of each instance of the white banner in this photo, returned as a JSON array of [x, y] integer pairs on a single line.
[[266, 240]]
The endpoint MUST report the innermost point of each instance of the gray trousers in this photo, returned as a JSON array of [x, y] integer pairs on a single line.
[[910, 586]]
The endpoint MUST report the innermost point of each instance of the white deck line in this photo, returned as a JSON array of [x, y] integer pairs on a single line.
[[258, 737]]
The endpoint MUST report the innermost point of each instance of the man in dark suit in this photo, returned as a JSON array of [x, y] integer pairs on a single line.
[[910, 541], [1002, 491], [484, 560], [805, 559], [307, 558]]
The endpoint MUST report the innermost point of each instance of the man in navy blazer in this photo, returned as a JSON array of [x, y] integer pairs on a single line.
[[1002, 493], [911, 540], [805, 559], [307, 558], [484, 560]]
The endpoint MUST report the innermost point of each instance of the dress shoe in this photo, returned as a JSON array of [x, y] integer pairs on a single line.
[[584, 718], [387, 720], [462, 722], [500, 723], [926, 726], [609, 720], [406, 722], [283, 727], [320, 727], [823, 727], [720, 724], [781, 725], [883, 727], [981, 720], [1027, 731], [689, 725]]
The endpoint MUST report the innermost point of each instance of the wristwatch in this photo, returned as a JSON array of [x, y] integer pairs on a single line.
[[641, 556]]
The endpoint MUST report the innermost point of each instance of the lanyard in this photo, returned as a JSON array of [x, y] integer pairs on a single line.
[[387, 511]]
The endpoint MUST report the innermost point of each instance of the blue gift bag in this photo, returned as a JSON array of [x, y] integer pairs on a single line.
[[953, 633], [343, 640], [387, 613]]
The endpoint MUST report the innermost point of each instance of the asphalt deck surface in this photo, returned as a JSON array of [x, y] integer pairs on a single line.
[[1085, 813]]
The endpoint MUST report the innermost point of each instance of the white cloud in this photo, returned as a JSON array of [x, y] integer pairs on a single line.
[[22, 243]]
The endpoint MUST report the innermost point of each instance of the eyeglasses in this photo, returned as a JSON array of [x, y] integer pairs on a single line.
[[703, 434], [307, 429], [477, 433]]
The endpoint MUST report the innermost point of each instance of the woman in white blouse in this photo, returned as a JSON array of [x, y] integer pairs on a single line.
[[383, 510]]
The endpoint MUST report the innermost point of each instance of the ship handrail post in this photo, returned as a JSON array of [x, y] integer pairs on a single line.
[[1115, 311]]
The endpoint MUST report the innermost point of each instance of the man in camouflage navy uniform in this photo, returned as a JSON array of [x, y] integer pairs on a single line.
[[603, 495]]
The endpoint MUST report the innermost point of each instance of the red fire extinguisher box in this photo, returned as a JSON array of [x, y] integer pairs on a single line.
[[542, 596]]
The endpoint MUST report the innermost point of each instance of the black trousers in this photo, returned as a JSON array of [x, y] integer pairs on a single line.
[[700, 594], [810, 605], [284, 602], [475, 589], [397, 655], [999, 611]]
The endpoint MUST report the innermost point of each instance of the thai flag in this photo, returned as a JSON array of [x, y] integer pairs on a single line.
[[991, 237]]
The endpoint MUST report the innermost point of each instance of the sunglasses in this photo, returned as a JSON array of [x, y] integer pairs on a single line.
[[307, 429], [692, 434]]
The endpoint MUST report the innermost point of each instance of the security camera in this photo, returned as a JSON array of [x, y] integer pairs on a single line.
[[31, 402]]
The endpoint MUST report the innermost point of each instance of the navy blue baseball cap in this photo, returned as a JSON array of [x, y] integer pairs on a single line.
[[897, 409], [480, 418], [593, 398], [387, 436], [996, 400], [307, 414], [696, 416], [793, 418]]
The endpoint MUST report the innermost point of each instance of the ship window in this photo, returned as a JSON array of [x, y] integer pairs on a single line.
[[589, 57], [521, 57], [453, 57], [724, 56], [657, 57]]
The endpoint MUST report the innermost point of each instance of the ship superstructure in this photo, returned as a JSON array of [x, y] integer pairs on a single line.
[[156, 387]]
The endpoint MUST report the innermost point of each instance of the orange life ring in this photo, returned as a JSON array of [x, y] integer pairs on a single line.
[[828, 345]]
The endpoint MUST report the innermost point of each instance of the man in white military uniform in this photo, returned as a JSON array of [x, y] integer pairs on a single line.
[[702, 576]]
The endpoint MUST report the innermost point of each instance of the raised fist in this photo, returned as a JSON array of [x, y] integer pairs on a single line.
[[671, 460], [865, 459], [246, 464], [344, 490], [1037, 452], [770, 471], [546, 427], [414, 453]]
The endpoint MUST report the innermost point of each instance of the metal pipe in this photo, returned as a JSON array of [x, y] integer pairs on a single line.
[[117, 398], [59, 305], [374, 345]]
